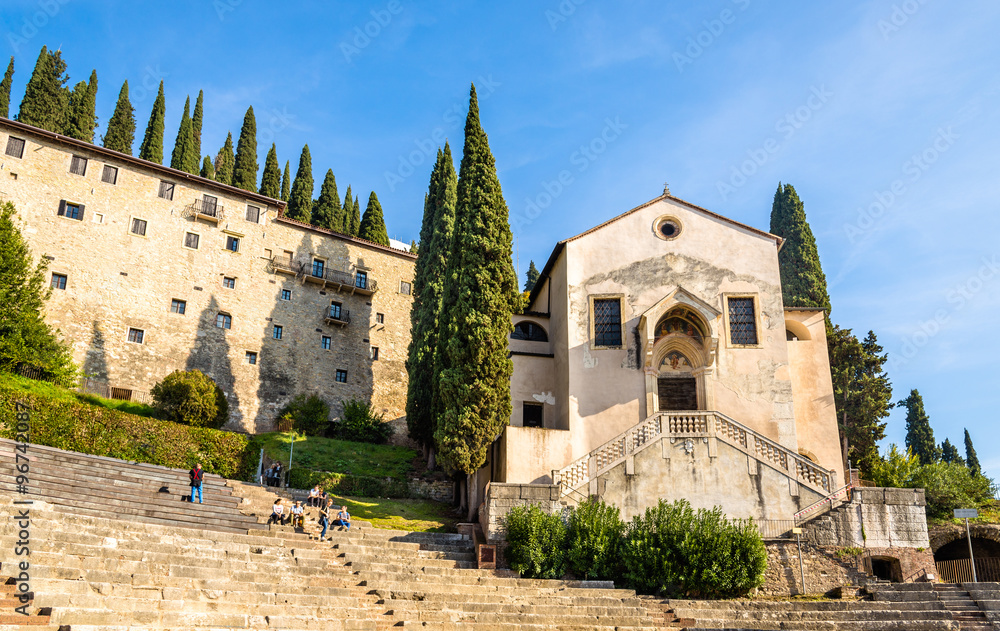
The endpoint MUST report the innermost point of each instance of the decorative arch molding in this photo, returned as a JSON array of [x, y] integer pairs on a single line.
[[944, 535]]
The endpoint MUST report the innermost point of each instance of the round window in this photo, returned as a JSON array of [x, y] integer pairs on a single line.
[[667, 228]]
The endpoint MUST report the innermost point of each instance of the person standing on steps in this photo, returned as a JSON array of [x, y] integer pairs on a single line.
[[324, 517], [197, 475]]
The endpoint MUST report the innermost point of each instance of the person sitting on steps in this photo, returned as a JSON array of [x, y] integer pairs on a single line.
[[297, 512], [277, 513], [314, 496], [343, 518], [324, 518]]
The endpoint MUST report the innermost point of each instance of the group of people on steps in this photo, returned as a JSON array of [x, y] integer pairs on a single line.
[[296, 514]]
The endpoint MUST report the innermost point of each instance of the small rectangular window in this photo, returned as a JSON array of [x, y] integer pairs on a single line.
[[224, 321], [15, 147], [139, 227], [229, 282], [232, 243], [191, 240], [318, 267], [325, 342], [373, 353], [286, 294], [404, 287], [533, 414], [361, 280], [78, 166], [178, 306], [109, 175], [341, 376], [379, 318], [267, 254], [166, 190], [251, 358], [276, 332], [135, 335], [98, 218], [59, 281], [607, 322], [253, 214], [70, 210], [742, 322]]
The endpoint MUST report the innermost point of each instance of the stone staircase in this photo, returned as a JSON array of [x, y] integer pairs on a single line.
[[968, 611], [987, 596]]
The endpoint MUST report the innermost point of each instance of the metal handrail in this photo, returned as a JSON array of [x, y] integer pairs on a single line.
[[819, 503], [213, 210], [342, 315]]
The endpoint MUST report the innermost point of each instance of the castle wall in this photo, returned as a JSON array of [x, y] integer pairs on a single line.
[[117, 280]]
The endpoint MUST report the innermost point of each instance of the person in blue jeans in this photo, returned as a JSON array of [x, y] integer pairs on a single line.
[[324, 517], [343, 518], [197, 476]]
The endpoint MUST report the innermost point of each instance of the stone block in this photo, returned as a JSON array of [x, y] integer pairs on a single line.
[[896, 497], [535, 492]]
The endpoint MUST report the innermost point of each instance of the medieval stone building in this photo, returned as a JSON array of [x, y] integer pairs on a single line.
[[156, 270]]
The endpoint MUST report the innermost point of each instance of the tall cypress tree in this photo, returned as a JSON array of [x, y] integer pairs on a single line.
[[300, 199], [196, 120], [8, 79], [473, 367], [949, 453], [152, 142], [372, 223], [971, 459], [184, 157], [286, 183], [207, 168], [46, 97], [428, 286], [81, 113], [803, 283], [121, 127], [919, 435], [531, 277], [224, 161], [326, 209], [355, 217], [270, 180], [245, 171]]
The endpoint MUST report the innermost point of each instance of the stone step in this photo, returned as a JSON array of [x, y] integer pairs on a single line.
[[411, 593], [881, 625]]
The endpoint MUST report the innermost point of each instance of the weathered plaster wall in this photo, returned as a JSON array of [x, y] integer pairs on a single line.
[[118, 280]]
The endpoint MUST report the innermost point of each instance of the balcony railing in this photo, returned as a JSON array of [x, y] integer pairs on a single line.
[[350, 282], [209, 210], [285, 265], [337, 316]]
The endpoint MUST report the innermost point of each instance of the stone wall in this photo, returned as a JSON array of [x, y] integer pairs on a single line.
[[875, 518], [117, 280], [501, 498]]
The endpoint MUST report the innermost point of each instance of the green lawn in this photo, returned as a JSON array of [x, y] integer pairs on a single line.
[[59, 393], [412, 515], [340, 456]]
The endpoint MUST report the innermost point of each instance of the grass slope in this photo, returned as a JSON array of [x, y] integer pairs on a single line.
[[59, 393], [340, 456]]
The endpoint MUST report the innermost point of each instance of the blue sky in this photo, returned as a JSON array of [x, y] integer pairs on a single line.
[[883, 115]]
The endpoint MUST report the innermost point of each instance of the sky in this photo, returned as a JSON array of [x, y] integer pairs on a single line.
[[883, 115]]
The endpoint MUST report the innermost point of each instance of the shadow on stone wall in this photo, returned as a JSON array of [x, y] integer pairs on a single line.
[[95, 365], [210, 355]]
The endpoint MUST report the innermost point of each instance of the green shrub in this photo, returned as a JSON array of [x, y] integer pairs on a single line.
[[536, 542], [593, 536], [951, 485], [673, 549], [192, 398], [99, 431], [310, 415], [347, 484], [896, 469], [360, 423]]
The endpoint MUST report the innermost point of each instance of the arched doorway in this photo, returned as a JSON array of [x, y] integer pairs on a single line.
[[679, 352], [676, 385], [887, 569], [952, 560]]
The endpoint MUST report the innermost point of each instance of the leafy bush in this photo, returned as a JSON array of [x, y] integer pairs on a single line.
[[99, 431], [536, 542], [951, 485], [896, 469], [593, 536], [192, 398], [671, 548], [347, 484], [360, 423], [310, 415]]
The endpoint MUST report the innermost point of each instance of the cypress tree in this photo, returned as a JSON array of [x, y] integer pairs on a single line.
[[81, 116], [326, 210], [428, 286], [286, 183], [348, 212], [971, 459], [413, 246], [300, 199], [949, 453], [473, 368], [45, 96], [372, 224], [8, 79], [183, 157], [196, 120], [152, 142], [224, 161], [245, 171], [803, 283], [207, 168], [121, 127], [532, 277], [355, 217], [919, 435], [270, 180]]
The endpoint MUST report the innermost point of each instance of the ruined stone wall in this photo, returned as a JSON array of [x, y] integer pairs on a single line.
[[501, 498], [118, 280]]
